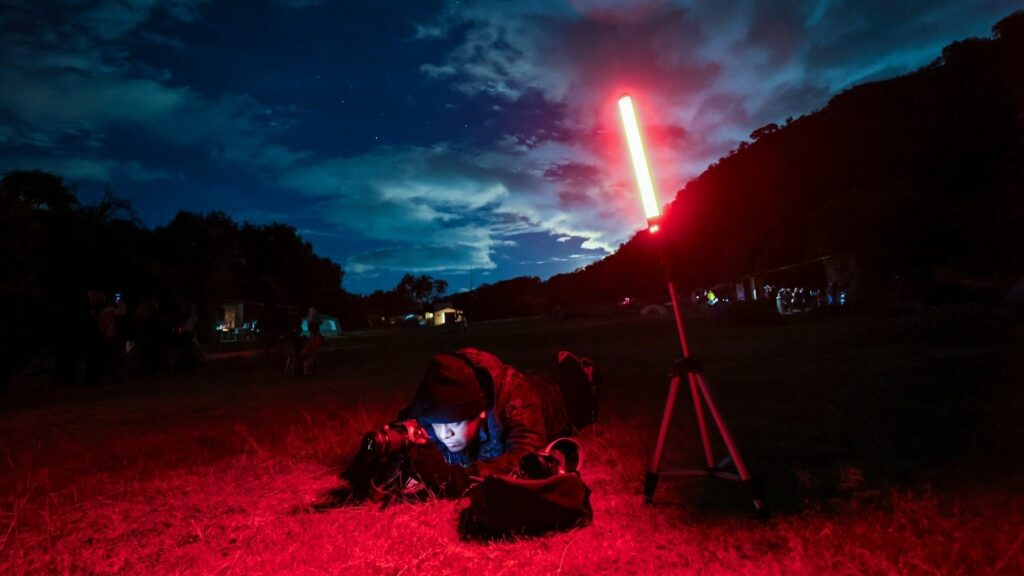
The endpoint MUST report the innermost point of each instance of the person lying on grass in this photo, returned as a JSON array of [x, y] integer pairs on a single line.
[[481, 416]]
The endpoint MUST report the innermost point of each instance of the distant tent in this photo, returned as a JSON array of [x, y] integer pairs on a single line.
[[654, 310], [329, 327]]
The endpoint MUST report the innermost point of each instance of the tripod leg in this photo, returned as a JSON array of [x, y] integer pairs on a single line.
[[702, 424], [734, 452], [651, 479]]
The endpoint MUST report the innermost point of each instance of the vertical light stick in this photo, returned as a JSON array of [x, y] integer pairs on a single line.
[[643, 172], [688, 367]]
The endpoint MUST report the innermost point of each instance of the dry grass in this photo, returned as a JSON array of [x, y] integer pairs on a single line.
[[887, 446]]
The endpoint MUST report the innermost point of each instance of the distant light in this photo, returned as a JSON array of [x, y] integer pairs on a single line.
[[636, 151], [653, 228]]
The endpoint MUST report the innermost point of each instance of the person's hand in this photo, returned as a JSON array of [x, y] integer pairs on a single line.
[[440, 476], [420, 437], [427, 462]]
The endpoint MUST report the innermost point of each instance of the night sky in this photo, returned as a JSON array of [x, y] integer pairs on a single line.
[[472, 141]]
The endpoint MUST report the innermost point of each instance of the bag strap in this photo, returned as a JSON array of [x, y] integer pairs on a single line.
[[570, 450]]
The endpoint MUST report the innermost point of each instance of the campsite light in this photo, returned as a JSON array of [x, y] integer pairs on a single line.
[[636, 151]]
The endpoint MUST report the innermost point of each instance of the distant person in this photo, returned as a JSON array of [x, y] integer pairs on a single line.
[[188, 348], [313, 321], [314, 342], [296, 341], [302, 348]]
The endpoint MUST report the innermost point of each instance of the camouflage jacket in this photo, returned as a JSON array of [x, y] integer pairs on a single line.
[[526, 412]]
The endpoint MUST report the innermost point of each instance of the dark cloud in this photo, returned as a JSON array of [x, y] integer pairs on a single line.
[[573, 173], [423, 258], [776, 33]]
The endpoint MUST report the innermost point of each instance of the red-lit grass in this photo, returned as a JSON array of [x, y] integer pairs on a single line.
[[213, 474]]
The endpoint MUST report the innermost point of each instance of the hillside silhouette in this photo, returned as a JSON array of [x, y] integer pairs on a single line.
[[920, 176]]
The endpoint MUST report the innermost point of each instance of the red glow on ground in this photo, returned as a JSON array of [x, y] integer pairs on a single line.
[[213, 472]]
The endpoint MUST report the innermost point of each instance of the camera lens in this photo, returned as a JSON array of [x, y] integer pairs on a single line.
[[372, 444], [393, 439]]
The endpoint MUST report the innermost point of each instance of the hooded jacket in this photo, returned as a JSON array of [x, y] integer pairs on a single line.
[[525, 412]]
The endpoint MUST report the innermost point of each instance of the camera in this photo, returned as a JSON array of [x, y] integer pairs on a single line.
[[393, 439]]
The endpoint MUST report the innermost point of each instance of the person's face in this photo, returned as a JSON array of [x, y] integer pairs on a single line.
[[457, 436]]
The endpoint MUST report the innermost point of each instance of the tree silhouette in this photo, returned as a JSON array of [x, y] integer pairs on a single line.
[[55, 249], [421, 289]]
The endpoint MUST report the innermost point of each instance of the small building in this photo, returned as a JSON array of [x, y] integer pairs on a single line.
[[446, 315]]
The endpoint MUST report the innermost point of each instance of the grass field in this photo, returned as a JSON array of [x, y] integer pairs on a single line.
[[886, 445]]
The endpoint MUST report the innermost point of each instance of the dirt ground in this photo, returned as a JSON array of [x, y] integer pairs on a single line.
[[885, 445]]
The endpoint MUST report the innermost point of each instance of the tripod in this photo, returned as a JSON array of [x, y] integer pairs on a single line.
[[689, 368]]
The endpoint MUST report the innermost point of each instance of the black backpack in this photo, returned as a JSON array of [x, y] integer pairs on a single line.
[[546, 493]]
